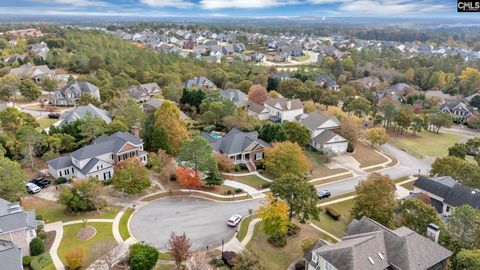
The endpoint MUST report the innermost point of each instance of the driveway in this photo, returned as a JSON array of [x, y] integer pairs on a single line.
[[204, 221]]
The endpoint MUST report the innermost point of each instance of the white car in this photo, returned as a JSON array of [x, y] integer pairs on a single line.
[[234, 220], [32, 188]]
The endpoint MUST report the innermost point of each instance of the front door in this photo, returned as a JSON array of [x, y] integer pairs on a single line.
[[247, 157]]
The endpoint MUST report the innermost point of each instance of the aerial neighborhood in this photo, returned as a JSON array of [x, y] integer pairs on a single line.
[[305, 143]]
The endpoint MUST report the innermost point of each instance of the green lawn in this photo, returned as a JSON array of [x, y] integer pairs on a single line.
[[45, 122], [336, 228], [52, 211], [94, 248], [408, 185], [165, 256], [367, 156], [426, 143], [318, 165], [251, 180], [165, 267], [242, 231], [43, 262], [123, 225], [280, 258], [302, 58]]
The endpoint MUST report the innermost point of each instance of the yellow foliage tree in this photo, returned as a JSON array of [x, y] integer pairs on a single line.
[[377, 135], [168, 117], [274, 213], [286, 157]]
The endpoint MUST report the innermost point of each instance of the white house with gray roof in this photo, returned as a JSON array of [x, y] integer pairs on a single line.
[[201, 83], [239, 98], [72, 92], [322, 133], [10, 256], [144, 92], [370, 245], [277, 109], [100, 158], [81, 112]]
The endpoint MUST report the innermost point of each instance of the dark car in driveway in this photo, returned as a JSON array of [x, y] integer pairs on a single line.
[[323, 194], [41, 182]]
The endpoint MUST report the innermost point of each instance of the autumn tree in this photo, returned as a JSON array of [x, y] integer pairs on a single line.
[[188, 178], [168, 117], [13, 180], [257, 94], [75, 258], [296, 133], [300, 196], [375, 199], [286, 157], [160, 162], [131, 176], [84, 195], [351, 128], [179, 247], [376, 135], [446, 166], [416, 215], [274, 213], [468, 259], [309, 106], [155, 137], [247, 260], [224, 163]]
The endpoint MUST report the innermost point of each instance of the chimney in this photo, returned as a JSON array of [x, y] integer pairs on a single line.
[[136, 131], [289, 104], [433, 232]]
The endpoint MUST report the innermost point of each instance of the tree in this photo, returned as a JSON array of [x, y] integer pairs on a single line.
[[197, 154], [85, 195], [463, 225], [286, 157], [48, 84], [224, 163], [274, 213], [29, 89], [296, 133], [36, 246], [13, 180], [446, 166], [300, 196], [198, 261], [117, 125], [8, 86], [272, 132], [418, 124], [439, 120], [159, 162], [155, 137], [375, 199], [168, 117], [416, 215], [188, 178], [351, 127], [257, 94], [475, 102], [61, 143], [376, 135], [359, 106], [129, 111], [91, 127], [131, 176], [142, 257], [179, 247], [409, 75], [247, 260], [458, 150], [468, 259], [75, 258]]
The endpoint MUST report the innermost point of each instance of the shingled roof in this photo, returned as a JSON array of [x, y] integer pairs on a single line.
[[235, 141]]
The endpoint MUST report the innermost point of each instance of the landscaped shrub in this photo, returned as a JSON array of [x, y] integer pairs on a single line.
[[60, 180], [36, 246], [228, 192], [39, 217], [260, 166], [42, 235], [238, 190], [75, 258], [238, 168], [40, 227], [266, 185], [243, 166], [40, 262], [332, 213], [300, 265], [218, 262], [350, 147], [26, 260], [142, 257]]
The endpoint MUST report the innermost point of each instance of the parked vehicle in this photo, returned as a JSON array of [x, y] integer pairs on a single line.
[[323, 194], [234, 220], [41, 182], [32, 188]]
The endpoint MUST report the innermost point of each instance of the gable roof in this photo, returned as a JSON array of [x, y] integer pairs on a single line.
[[326, 136], [10, 256], [13, 217], [284, 104], [256, 108], [106, 144], [235, 141], [60, 162], [81, 111], [200, 82], [325, 80], [236, 96], [316, 119]]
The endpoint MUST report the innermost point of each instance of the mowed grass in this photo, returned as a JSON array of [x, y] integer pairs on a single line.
[[252, 180], [426, 143], [45, 122], [52, 211], [367, 156], [302, 58], [242, 231], [123, 225], [408, 185], [280, 258], [318, 165], [94, 248], [327, 223]]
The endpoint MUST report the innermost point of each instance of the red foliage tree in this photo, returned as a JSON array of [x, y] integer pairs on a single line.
[[257, 94], [188, 178]]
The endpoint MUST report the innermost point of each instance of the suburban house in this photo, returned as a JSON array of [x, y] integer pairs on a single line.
[[99, 158], [25, 33], [81, 112], [327, 83], [240, 147], [458, 110], [367, 82], [39, 50], [280, 76], [322, 133], [200, 82], [29, 71], [239, 98], [370, 245], [143, 92], [72, 92], [277, 109], [446, 193], [17, 229]]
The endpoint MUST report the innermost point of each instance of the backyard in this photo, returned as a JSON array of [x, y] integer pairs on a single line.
[[327, 223], [94, 248], [45, 122], [425, 144]]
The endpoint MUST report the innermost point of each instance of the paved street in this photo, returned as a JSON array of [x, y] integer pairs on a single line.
[[203, 221]]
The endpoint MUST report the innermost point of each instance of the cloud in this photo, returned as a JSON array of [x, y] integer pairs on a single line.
[[395, 7], [80, 3], [168, 3], [218, 4]]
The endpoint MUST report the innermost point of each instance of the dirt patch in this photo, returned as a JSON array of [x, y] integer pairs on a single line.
[[86, 233], [48, 242]]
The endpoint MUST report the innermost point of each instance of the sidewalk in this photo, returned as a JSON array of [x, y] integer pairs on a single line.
[[58, 228], [250, 190]]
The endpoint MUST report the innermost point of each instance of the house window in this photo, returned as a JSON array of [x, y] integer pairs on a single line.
[[314, 257], [73, 171], [60, 173], [258, 156], [328, 266], [448, 209]]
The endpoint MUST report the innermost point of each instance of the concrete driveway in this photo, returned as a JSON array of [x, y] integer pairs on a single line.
[[203, 221]]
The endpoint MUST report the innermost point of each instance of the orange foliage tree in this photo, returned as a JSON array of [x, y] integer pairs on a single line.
[[188, 178], [257, 94]]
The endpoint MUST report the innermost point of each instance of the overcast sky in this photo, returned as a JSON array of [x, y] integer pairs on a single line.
[[248, 8]]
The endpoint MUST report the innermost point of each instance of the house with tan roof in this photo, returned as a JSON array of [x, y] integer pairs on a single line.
[[277, 109]]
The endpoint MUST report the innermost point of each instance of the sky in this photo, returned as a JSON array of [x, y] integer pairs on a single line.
[[237, 8]]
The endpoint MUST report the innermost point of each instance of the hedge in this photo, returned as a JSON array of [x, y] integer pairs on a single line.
[[332, 213]]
